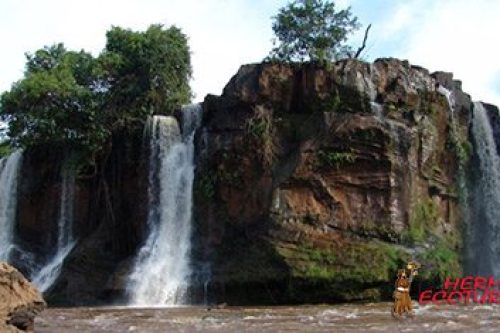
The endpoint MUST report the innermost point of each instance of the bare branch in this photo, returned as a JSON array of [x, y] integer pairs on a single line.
[[358, 53]]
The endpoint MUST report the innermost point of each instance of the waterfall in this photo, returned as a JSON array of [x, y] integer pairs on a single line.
[[162, 268], [48, 274], [461, 171], [449, 96], [484, 229], [451, 106], [9, 170], [371, 91]]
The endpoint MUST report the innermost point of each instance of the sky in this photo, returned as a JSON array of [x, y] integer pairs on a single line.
[[459, 36]]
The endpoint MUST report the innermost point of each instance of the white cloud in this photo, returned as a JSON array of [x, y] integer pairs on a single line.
[[459, 36], [224, 34], [453, 35]]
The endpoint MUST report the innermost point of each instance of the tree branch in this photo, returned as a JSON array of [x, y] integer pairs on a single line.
[[358, 52]]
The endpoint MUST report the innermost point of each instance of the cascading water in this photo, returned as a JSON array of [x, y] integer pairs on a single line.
[[162, 267], [451, 105], [9, 170], [461, 172], [484, 222], [470, 230], [48, 274], [371, 91]]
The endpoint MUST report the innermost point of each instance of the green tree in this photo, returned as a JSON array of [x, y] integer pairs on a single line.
[[312, 30], [54, 102], [76, 100], [145, 72]]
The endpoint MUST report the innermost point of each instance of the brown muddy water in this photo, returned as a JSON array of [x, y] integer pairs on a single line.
[[323, 318]]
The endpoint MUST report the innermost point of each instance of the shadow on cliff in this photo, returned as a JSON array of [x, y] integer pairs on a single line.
[[110, 208]]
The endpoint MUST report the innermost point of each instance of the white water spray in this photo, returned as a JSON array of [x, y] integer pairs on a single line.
[[449, 96], [44, 278], [162, 267], [9, 171], [485, 227]]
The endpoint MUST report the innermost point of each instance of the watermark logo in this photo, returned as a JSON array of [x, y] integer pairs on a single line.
[[469, 289]]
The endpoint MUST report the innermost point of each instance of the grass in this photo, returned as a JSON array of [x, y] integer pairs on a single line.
[[360, 262], [423, 220], [441, 262], [261, 127], [334, 159]]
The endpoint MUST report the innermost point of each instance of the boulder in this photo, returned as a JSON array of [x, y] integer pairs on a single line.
[[20, 301]]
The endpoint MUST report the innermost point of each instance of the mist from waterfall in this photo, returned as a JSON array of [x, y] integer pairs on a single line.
[[48, 274], [483, 246], [9, 171], [162, 267]]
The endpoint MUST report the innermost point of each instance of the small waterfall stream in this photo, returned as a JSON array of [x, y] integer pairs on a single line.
[[48, 274], [484, 229], [451, 105], [9, 171], [162, 267]]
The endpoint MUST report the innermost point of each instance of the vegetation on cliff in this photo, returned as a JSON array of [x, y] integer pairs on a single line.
[[359, 182], [74, 99], [312, 30]]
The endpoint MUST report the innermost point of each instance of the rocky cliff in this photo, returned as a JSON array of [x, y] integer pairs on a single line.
[[20, 302], [110, 209], [312, 184], [316, 184]]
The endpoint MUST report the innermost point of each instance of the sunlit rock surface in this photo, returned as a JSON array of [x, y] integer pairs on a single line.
[[315, 184], [20, 301]]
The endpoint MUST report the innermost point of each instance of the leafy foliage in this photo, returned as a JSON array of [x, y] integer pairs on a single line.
[[145, 72], [74, 99], [54, 102], [312, 30]]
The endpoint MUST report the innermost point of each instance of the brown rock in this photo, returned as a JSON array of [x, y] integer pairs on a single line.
[[347, 190], [20, 301]]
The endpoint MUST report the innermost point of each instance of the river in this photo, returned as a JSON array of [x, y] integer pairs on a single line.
[[373, 317]]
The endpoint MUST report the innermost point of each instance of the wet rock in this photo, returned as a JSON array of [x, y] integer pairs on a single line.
[[109, 217], [20, 301]]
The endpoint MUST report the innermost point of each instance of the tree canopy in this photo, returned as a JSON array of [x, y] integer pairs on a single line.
[[54, 101], [146, 71], [312, 30], [76, 99]]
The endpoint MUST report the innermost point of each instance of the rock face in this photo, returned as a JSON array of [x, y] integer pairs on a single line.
[[20, 302], [316, 184], [110, 209], [312, 184]]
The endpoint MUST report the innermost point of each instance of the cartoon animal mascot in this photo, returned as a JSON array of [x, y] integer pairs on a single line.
[[402, 300]]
